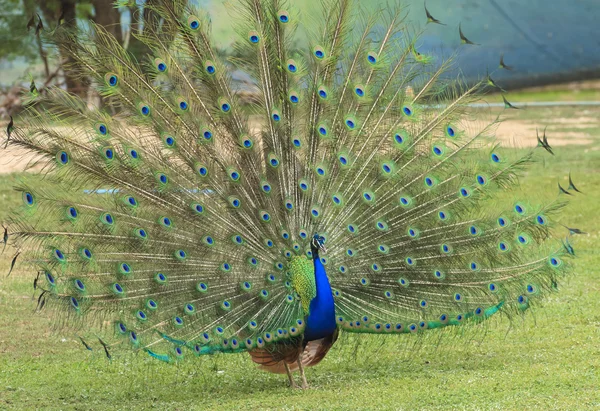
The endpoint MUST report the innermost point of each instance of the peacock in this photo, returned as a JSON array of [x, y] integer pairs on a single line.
[[347, 187]]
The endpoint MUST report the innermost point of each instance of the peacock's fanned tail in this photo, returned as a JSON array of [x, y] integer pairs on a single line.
[[170, 215]]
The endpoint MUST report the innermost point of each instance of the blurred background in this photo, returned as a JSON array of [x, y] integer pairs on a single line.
[[544, 42]]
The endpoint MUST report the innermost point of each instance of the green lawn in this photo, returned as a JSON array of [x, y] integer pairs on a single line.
[[550, 360]]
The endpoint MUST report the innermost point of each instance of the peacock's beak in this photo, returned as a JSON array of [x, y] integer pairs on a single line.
[[323, 248]]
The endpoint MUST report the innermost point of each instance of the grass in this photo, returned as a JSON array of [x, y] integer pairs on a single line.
[[550, 360]]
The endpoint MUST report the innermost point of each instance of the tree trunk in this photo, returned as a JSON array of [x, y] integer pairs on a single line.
[[52, 11], [108, 16]]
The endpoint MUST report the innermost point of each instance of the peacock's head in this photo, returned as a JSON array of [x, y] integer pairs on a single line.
[[318, 244]]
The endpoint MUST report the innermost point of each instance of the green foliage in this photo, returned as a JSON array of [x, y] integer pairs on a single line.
[[15, 39]]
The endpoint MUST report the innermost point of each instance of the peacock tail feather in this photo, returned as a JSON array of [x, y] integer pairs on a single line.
[[178, 217]]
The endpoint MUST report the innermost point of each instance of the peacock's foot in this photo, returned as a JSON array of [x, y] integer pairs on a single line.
[[304, 385]]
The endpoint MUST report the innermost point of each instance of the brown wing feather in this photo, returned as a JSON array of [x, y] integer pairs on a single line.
[[273, 358]]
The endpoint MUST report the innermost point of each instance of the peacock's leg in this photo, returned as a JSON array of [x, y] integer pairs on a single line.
[[301, 367], [290, 376]]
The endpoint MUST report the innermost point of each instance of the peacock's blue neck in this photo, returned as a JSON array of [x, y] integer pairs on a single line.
[[320, 322]]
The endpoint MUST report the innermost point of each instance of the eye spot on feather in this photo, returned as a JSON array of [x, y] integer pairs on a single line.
[[387, 168], [209, 67], [319, 52], [294, 98], [162, 178], [409, 261], [481, 180], [502, 222], [160, 278], [283, 16], [350, 123], [193, 22], [503, 247], [253, 37], [541, 220], [457, 297], [291, 65], [113, 80], [124, 269], [102, 129], [79, 285], [85, 253], [450, 132], [523, 239], [464, 192], [72, 213], [372, 57], [169, 141], [369, 196], [108, 153], [315, 212], [62, 157], [117, 289], [234, 175], [403, 282], [381, 225], [207, 134], [322, 130], [405, 201], [520, 209], [495, 158], [446, 249], [439, 275], [165, 221], [323, 94], [407, 111]]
